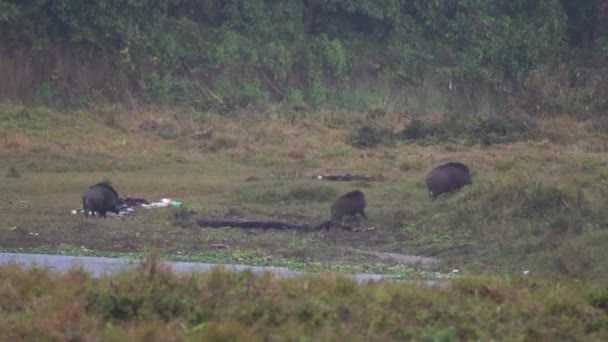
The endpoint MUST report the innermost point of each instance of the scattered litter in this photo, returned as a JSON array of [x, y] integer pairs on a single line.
[[526, 272], [34, 234], [130, 204], [455, 271], [13, 228], [345, 177], [364, 229], [163, 203]]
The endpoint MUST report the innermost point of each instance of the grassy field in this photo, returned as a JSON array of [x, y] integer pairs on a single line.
[[534, 205], [153, 304]]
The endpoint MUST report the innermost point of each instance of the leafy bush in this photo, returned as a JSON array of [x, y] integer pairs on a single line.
[[167, 90]]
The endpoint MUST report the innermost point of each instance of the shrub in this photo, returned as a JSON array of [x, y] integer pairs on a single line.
[[370, 135], [167, 90], [484, 129]]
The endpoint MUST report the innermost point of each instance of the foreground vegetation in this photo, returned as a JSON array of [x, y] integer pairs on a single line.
[[152, 303]]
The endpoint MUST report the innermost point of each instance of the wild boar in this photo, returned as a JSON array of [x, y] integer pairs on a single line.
[[100, 198], [349, 204], [448, 178]]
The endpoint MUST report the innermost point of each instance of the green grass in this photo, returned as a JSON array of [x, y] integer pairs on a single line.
[[534, 205], [151, 302]]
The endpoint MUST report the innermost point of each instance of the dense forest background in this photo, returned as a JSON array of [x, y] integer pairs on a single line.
[[415, 56]]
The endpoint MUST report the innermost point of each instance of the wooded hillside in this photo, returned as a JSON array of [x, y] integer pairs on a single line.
[[454, 55]]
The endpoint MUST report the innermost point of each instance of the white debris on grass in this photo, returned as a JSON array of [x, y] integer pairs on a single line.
[[162, 203]]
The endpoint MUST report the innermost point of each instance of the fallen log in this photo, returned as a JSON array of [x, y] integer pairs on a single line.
[[244, 223], [215, 222], [329, 223], [344, 177]]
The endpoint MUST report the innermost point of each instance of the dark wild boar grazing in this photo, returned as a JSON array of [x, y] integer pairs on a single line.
[[349, 204], [447, 178], [100, 198]]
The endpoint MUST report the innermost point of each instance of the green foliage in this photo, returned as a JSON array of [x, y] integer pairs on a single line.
[[8, 12], [228, 47], [443, 335], [279, 59], [44, 91], [166, 89], [296, 97], [598, 297], [251, 92], [485, 44], [332, 54], [491, 39]]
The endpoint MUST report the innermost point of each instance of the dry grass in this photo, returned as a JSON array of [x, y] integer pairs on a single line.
[[563, 129], [15, 144]]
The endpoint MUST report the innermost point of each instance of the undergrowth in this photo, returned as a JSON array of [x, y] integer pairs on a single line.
[[221, 305]]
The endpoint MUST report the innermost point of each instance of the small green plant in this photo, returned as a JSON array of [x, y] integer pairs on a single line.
[[250, 93], [44, 91], [296, 97], [443, 335], [167, 90]]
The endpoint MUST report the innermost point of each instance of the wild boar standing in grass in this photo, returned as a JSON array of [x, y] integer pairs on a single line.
[[349, 204], [100, 198], [447, 178]]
